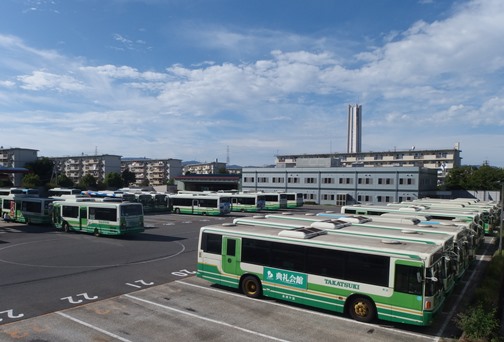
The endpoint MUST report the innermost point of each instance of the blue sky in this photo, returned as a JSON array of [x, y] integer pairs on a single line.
[[192, 80]]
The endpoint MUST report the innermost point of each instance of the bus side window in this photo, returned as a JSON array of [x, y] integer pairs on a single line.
[[406, 279]]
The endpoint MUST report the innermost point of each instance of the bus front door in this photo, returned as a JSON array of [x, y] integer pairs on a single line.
[[56, 216], [83, 218], [230, 255]]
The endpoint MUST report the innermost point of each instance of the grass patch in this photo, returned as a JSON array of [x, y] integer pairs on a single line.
[[481, 321]]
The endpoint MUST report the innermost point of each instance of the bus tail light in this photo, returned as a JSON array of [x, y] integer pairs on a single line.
[[428, 305]]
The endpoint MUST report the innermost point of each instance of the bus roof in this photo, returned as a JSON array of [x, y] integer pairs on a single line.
[[320, 238], [408, 233]]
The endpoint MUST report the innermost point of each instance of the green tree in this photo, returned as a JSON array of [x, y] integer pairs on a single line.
[[128, 177], [30, 180], [87, 182], [484, 177], [42, 167], [113, 180], [65, 182], [222, 171]]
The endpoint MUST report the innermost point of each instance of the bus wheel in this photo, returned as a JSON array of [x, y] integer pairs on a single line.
[[251, 287], [66, 227], [177, 211], [362, 309], [96, 232]]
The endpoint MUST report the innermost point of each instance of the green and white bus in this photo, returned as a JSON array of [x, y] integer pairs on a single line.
[[26, 209], [362, 227], [461, 252], [294, 199], [57, 192], [366, 278], [274, 200], [99, 218], [247, 202], [200, 204]]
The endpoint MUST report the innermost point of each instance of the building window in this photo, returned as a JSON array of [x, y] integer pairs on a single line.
[[328, 180], [262, 179], [309, 196], [310, 180], [328, 197], [408, 181], [364, 198], [292, 180], [277, 180], [346, 180]]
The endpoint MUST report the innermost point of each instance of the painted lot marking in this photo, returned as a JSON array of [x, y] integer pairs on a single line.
[[93, 327], [10, 314], [373, 326], [142, 282], [205, 319]]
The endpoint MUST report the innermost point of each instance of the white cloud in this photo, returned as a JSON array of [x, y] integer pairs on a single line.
[[41, 80], [430, 86]]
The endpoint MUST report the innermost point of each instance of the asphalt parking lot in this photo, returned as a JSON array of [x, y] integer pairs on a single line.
[[184, 307]]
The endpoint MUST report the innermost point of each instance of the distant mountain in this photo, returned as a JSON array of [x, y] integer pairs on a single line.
[[190, 162]]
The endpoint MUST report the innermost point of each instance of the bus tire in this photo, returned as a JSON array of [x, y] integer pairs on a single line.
[[177, 211], [66, 227], [251, 286], [96, 232], [362, 309]]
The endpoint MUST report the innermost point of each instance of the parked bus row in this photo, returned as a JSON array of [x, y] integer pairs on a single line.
[[381, 266], [75, 214], [489, 211], [471, 219], [364, 277]]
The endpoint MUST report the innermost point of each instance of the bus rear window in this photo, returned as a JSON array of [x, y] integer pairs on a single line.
[[131, 210]]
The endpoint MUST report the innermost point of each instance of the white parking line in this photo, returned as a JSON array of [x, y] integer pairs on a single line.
[[93, 327], [205, 318], [369, 325]]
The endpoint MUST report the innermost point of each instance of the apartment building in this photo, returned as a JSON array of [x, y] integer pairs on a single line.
[[204, 168], [441, 160], [153, 172], [344, 185], [98, 166], [16, 158]]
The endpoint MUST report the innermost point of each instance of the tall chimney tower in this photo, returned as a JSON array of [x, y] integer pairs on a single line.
[[354, 133]]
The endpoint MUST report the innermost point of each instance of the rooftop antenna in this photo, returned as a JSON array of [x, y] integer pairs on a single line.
[[227, 155]]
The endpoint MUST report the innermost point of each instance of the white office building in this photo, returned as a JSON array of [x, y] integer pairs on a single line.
[[342, 185]]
